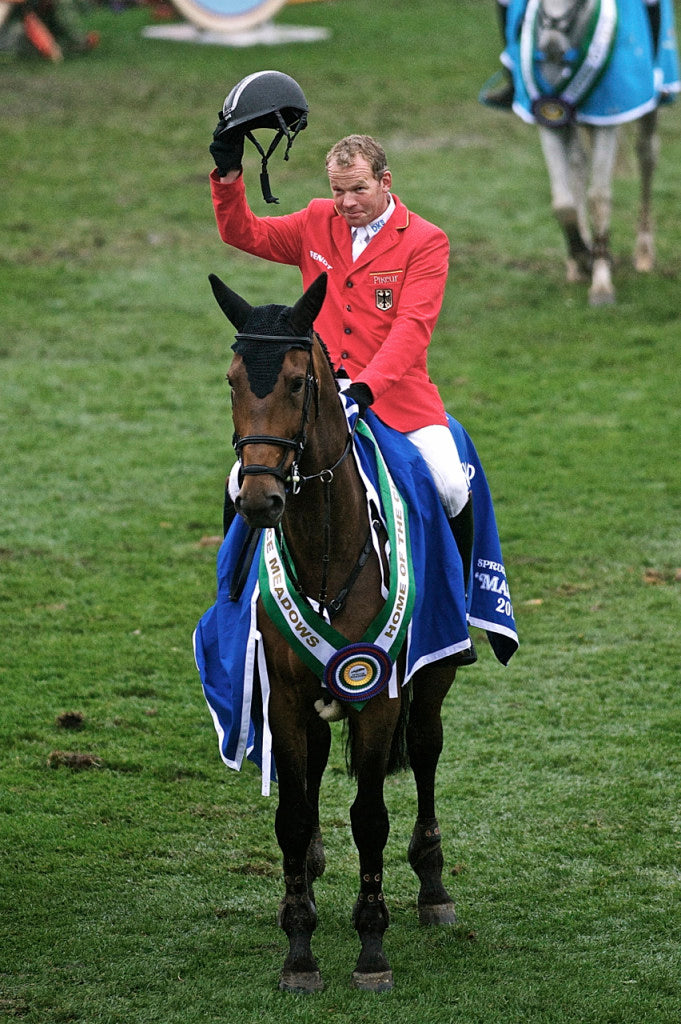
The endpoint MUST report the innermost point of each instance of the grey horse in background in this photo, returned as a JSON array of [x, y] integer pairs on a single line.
[[564, 61]]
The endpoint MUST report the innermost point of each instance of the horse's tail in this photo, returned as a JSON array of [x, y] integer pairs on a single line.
[[398, 759]]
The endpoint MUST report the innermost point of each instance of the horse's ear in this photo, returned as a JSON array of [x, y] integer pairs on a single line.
[[308, 305], [236, 309]]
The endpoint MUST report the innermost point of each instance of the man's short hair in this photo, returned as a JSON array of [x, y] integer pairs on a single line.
[[346, 150]]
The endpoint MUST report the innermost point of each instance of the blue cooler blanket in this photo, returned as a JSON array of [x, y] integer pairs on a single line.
[[228, 647], [634, 79]]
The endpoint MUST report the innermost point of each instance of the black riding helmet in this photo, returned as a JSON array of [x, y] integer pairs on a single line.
[[265, 99]]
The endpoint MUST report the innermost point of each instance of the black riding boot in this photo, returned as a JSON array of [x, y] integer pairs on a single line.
[[655, 19], [501, 92], [462, 527]]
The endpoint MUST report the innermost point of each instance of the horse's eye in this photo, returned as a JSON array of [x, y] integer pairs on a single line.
[[297, 385]]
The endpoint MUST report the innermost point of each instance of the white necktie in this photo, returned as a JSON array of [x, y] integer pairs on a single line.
[[360, 240]]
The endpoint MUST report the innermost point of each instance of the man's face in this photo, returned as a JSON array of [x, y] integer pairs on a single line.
[[358, 196]]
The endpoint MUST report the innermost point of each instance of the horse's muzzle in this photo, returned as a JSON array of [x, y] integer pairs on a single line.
[[261, 502]]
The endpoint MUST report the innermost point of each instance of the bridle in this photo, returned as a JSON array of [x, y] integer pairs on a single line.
[[562, 23], [292, 479]]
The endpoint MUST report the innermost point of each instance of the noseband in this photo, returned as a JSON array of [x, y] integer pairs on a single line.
[[291, 478]]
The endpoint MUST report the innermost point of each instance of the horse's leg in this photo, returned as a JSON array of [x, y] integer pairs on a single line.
[[604, 152], [647, 152], [296, 820], [424, 743], [318, 746], [566, 163], [578, 169], [371, 731]]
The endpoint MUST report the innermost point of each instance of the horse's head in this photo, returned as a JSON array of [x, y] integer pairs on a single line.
[[561, 27], [274, 388]]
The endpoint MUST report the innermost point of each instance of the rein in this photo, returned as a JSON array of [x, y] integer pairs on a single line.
[[338, 603], [326, 478], [351, 671]]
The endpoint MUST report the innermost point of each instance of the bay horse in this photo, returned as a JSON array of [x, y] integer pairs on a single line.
[[298, 475], [580, 142]]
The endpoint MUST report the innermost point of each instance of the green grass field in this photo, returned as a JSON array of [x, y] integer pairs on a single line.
[[141, 883]]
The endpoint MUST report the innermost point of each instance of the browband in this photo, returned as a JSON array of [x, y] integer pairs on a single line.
[[288, 339]]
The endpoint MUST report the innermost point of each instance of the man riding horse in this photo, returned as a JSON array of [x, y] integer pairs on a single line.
[[386, 267], [356, 594]]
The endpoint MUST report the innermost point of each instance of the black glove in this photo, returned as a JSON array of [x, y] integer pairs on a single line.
[[227, 148], [360, 393]]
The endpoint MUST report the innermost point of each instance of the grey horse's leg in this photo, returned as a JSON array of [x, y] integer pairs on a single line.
[[566, 163], [647, 152], [604, 152]]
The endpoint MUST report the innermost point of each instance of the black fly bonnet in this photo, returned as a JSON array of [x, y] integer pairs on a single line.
[[265, 335], [263, 341]]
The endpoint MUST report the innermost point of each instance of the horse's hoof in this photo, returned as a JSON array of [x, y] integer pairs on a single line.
[[437, 913], [378, 981], [644, 265], [301, 982], [644, 253]]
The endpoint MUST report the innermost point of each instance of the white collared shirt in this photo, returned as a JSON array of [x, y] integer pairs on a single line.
[[362, 236]]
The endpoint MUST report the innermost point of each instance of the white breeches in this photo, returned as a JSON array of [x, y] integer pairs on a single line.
[[440, 454]]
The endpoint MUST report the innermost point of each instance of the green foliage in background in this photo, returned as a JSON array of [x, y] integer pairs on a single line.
[[140, 882]]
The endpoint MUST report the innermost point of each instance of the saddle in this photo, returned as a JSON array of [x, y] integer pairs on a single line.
[[565, 46]]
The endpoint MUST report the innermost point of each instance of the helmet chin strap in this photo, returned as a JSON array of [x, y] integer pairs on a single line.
[[290, 136]]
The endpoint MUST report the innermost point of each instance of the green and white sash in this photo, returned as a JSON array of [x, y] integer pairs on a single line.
[[581, 72], [353, 672]]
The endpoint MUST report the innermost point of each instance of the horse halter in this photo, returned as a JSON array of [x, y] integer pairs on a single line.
[[560, 23], [292, 478]]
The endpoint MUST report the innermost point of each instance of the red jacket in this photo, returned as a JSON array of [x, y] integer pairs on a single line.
[[379, 312]]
